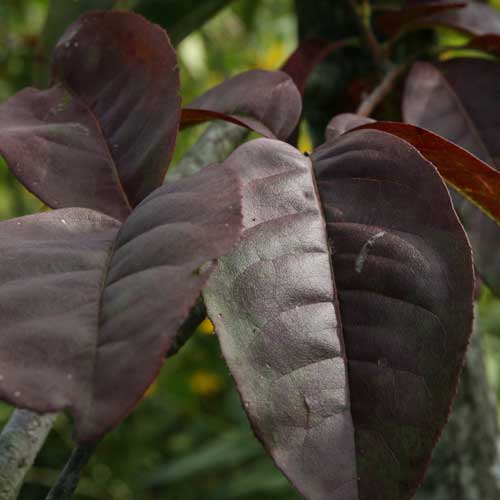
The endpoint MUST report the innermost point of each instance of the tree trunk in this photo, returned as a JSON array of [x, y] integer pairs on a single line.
[[465, 463]]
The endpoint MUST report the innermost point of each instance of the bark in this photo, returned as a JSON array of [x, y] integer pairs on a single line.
[[465, 463], [20, 442]]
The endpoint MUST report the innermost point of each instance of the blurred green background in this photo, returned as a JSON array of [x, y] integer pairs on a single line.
[[189, 438]]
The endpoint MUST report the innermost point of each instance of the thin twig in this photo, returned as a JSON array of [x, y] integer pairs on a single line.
[[70, 475], [370, 103], [362, 14]]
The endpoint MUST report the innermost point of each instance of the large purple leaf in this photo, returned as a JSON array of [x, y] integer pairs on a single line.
[[384, 287], [265, 101], [460, 100], [107, 127], [404, 277], [274, 307], [89, 309]]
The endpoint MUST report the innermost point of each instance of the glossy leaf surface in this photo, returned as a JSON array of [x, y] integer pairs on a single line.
[[460, 99], [89, 309], [116, 71], [273, 304], [264, 100], [371, 285]]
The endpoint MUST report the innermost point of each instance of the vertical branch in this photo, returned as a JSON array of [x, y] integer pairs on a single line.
[[20, 442], [363, 19]]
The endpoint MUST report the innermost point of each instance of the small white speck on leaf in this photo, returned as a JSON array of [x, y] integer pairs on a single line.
[[363, 254]]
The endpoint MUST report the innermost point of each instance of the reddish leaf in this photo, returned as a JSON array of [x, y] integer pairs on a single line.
[[256, 98], [89, 309], [486, 43], [470, 176], [113, 118], [344, 122], [402, 271], [191, 117], [307, 56], [474, 19], [392, 21], [460, 99]]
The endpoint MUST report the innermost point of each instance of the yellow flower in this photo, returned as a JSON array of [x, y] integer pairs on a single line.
[[206, 327], [205, 383]]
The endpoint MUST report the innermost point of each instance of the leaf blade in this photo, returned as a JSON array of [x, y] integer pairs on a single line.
[[266, 303], [109, 299], [98, 56], [117, 70], [395, 263], [280, 270], [469, 120], [270, 97]]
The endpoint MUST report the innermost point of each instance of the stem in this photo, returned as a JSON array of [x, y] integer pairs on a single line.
[[363, 19], [385, 87], [20, 441], [214, 145], [70, 475]]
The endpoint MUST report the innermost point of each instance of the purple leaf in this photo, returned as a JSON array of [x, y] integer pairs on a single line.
[[265, 101], [191, 117], [344, 122], [89, 309], [108, 126], [394, 20], [404, 277], [474, 19], [459, 99], [345, 340], [486, 43]]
